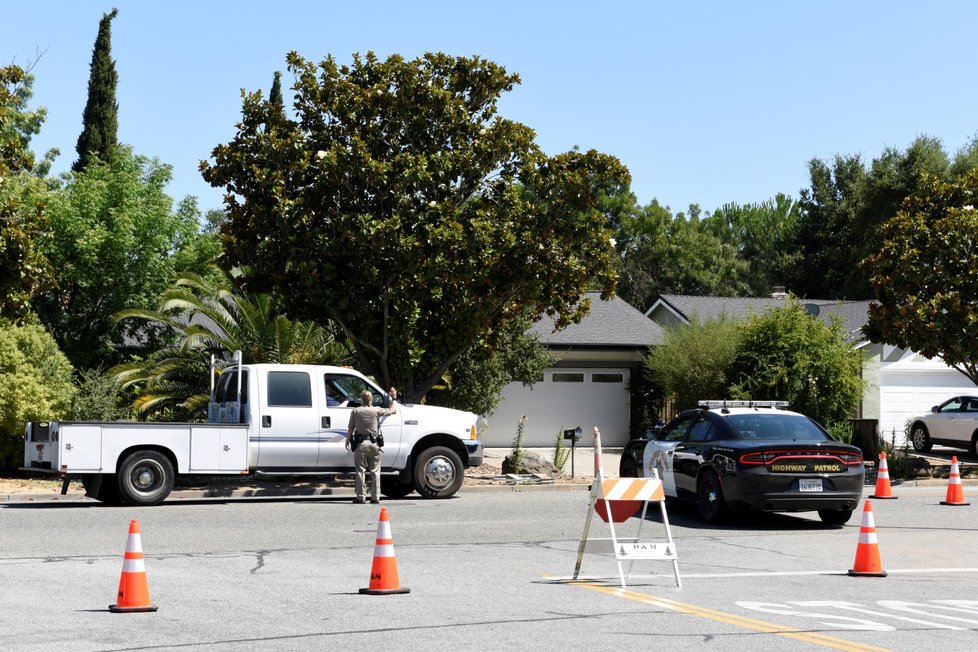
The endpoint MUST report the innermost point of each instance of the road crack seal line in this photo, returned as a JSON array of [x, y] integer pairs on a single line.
[[260, 556]]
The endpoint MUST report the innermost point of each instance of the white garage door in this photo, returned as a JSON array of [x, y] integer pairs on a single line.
[[905, 394], [565, 398]]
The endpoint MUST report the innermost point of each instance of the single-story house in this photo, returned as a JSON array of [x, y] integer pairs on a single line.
[[899, 383], [587, 386]]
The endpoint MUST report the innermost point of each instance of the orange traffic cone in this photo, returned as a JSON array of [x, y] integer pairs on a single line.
[[867, 562], [883, 480], [133, 588], [955, 492], [620, 510], [383, 573]]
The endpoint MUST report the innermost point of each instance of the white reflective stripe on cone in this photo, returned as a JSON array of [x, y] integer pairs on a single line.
[[134, 565]]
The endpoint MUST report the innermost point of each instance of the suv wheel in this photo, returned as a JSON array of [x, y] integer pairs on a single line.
[[920, 438]]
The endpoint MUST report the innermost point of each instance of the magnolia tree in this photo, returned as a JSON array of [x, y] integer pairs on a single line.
[[396, 202], [924, 274]]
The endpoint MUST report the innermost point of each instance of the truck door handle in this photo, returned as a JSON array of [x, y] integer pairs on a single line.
[[266, 421], [326, 422]]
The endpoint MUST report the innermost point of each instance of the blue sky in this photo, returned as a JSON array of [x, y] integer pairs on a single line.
[[704, 102]]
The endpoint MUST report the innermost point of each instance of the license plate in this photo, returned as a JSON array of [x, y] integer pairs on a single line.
[[810, 485]]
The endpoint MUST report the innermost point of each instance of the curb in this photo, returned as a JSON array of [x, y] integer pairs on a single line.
[[219, 493]]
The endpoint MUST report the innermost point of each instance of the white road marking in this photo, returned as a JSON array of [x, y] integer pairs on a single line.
[[899, 571]]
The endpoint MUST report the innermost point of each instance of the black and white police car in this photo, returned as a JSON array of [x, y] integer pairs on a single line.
[[750, 455]]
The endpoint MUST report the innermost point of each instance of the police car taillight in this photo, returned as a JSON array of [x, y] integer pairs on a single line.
[[851, 458], [757, 458]]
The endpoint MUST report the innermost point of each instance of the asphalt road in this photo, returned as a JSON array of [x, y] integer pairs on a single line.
[[486, 570]]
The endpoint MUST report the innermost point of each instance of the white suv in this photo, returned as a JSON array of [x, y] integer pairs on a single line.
[[952, 423]]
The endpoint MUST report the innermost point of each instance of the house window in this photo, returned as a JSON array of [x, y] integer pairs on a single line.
[[607, 378], [568, 377]]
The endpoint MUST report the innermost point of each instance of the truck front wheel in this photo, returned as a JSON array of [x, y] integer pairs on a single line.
[[438, 472], [145, 478]]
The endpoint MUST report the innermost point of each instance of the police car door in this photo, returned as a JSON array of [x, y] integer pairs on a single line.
[[689, 454], [660, 452]]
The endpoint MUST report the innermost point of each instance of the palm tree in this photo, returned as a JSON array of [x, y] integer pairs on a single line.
[[212, 317]]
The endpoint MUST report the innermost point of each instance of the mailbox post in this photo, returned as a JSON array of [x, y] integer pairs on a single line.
[[573, 434]]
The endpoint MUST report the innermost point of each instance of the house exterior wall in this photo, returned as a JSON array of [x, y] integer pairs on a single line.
[[870, 406]]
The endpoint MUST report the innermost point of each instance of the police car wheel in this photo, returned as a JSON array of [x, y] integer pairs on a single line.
[[709, 498], [628, 468], [835, 516]]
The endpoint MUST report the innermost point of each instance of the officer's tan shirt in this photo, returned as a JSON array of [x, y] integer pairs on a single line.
[[366, 420]]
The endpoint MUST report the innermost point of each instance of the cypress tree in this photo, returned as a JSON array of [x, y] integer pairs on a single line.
[[277, 101], [275, 95], [100, 122]]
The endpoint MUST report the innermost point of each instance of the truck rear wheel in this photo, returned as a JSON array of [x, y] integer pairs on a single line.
[[145, 478], [438, 472]]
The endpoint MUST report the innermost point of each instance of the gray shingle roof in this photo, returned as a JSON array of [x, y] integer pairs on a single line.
[[611, 324], [854, 314]]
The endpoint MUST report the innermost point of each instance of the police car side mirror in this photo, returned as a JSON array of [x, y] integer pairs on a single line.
[[655, 431]]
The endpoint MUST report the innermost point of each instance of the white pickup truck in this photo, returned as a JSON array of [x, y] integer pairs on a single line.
[[263, 419]]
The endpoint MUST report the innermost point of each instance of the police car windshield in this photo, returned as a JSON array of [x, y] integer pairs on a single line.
[[776, 425]]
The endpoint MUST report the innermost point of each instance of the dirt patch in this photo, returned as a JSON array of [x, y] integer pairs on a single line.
[[22, 483]]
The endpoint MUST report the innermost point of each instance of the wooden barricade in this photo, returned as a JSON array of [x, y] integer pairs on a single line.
[[615, 501]]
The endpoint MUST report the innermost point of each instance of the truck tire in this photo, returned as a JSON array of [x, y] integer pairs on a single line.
[[438, 472], [392, 487], [145, 478]]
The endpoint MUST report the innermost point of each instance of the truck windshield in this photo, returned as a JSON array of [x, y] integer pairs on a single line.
[[348, 388]]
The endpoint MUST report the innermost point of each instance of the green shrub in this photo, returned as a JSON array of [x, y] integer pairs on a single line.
[[35, 385], [517, 457], [841, 431], [97, 399], [561, 452]]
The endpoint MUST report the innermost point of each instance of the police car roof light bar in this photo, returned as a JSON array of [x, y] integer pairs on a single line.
[[742, 404]]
